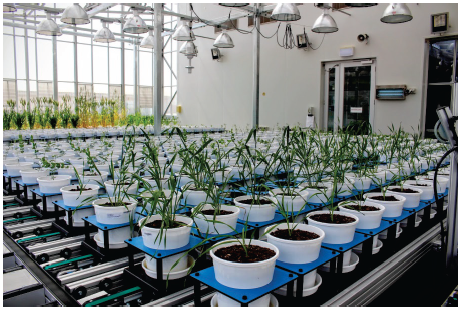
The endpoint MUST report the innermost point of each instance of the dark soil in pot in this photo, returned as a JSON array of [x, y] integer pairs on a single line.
[[286, 194], [421, 185], [114, 204], [78, 188], [156, 224], [361, 208], [91, 174], [294, 235], [316, 187], [403, 190], [237, 254], [284, 183], [337, 219], [236, 194], [261, 201], [212, 212], [388, 198]]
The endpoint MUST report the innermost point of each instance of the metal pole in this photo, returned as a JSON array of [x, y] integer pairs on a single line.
[[75, 66], [136, 81], [158, 68], [452, 221], [55, 74], [256, 66], [26, 47]]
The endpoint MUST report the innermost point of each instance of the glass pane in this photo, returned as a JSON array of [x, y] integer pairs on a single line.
[[100, 65], [115, 65], [45, 89], [20, 58], [437, 96], [8, 57], [100, 91], [21, 90], [45, 56], [84, 63], [145, 68], [331, 100], [356, 96], [66, 89], [9, 91], [65, 61], [129, 67], [441, 61], [33, 91], [129, 99], [32, 64]]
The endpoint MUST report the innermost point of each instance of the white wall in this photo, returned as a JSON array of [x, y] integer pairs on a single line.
[[217, 93]]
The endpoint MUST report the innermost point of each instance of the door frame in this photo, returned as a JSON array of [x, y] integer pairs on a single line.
[[340, 66]]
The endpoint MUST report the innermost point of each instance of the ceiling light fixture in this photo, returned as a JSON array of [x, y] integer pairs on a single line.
[[75, 15], [286, 12], [48, 27], [9, 8], [234, 5], [183, 33], [223, 41], [148, 41], [360, 5], [135, 24], [325, 23], [104, 35], [396, 13], [189, 49]]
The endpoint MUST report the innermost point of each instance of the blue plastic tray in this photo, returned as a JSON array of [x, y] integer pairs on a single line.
[[108, 227], [405, 214], [70, 208], [383, 226], [325, 255], [359, 238], [22, 184], [280, 278], [161, 254]]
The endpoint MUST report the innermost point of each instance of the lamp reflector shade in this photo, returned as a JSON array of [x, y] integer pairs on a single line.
[[286, 12], [234, 5], [325, 24], [360, 5], [48, 27], [135, 24], [148, 41], [223, 41], [75, 15], [104, 35], [9, 8], [396, 13], [183, 33], [188, 49]]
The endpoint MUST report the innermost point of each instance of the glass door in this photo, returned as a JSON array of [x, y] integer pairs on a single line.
[[350, 93], [442, 81]]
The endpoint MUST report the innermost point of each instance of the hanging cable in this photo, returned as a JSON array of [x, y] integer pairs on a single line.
[[288, 38]]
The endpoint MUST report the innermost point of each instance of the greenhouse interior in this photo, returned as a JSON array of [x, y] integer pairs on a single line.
[[230, 154]]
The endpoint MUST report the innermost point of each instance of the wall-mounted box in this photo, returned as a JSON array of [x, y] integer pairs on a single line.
[[347, 52], [391, 92]]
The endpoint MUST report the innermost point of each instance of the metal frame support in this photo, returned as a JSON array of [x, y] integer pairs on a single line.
[[26, 53], [55, 73], [136, 80], [75, 66], [158, 68], [256, 66]]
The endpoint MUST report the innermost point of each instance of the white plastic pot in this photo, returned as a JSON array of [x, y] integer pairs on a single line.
[[309, 288], [79, 214], [244, 275], [194, 197], [255, 213], [120, 189], [228, 222], [226, 302], [318, 196], [290, 203], [168, 263], [70, 170], [360, 183], [53, 184], [77, 198], [173, 274], [427, 191], [171, 238], [13, 169], [296, 251], [367, 219], [29, 176], [116, 237], [153, 183], [114, 214], [392, 208], [412, 199], [441, 182], [335, 233], [9, 161], [93, 180]]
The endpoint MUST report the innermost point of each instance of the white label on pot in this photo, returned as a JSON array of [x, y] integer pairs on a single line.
[[356, 110], [114, 215]]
